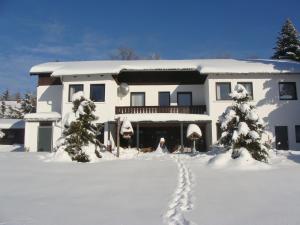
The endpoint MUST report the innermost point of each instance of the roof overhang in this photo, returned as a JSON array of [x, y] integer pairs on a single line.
[[43, 116]]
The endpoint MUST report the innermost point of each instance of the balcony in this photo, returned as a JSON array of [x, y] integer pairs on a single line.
[[195, 109]]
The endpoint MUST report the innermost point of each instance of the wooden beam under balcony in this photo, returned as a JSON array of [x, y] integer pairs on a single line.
[[195, 109]]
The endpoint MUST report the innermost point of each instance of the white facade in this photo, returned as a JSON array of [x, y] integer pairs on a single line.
[[265, 78]]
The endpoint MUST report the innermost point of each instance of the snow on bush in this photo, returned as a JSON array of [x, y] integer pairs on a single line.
[[126, 127], [1, 134], [245, 161], [242, 128], [193, 130]]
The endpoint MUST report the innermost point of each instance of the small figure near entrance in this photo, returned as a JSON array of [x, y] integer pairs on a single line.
[[162, 148]]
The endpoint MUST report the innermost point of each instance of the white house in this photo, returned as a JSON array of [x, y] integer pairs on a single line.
[[162, 97]]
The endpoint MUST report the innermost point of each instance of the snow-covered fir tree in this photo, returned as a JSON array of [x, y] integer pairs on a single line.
[[3, 110], [288, 43], [242, 128], [28, 104], [79, 138]]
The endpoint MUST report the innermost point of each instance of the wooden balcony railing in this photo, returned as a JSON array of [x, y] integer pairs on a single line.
[[195, 109]]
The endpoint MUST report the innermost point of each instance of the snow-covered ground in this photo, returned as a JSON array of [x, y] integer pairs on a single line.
[[148, 189]]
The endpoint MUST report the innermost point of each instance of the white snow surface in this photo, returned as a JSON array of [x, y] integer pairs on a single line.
[[126, 127], [158, 117], [243, 128], [206, 66], [42, 116], [193, 129], [77, 96], [172, 189], [12, 124]]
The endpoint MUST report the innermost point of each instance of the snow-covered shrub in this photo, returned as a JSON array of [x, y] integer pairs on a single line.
[[79, 138], [1, 134], [242, 128]]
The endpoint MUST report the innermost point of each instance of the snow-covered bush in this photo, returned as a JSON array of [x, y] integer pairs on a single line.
[[242, 128], [79, 138], [1, 134]]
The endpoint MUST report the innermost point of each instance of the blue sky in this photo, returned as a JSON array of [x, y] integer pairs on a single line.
[[36, 31]]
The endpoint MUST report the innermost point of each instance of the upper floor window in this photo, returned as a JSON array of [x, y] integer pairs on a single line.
[[297, 132], [287, 91], [249, 88], [97, 92], [137, 98], [223, 90], [184, 98], [74, 88], [164, 98]]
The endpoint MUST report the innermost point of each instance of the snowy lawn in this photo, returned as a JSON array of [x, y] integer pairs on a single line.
[[147, 190]]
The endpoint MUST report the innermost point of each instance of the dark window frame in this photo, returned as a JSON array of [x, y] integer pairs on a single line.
[[144, 94], [164, 92], [103, 85], [297, 126], [70, 85], [288, 82], [185, 92], [248, 82], [230, 90]]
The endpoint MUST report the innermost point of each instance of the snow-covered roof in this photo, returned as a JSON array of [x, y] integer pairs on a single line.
[[163, 117], [205, 66], [12, 124], [43, 116]]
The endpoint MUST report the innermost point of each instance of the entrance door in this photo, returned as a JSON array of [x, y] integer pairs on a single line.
[[45, 139], [281, 135]]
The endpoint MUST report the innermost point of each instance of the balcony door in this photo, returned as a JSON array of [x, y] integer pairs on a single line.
[[137, 99], [281, 136], [184, 98]]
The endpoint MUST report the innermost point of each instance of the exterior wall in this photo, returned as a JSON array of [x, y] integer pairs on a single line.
[[31, 136], [49, 98], [104, 110], [273, 111], [151, 93]]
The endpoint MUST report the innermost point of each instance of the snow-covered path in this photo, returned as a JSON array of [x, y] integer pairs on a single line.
[[182, 197]]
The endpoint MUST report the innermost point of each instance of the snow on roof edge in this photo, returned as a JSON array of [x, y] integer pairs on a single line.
[[204, 66]]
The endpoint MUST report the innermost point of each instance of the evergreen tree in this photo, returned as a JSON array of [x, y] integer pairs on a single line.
[[288, 43], [80, 135], [2, 110], [28, 104], [5, 95], [242, 128]]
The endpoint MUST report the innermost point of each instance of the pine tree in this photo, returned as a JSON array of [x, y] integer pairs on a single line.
[[2, 110], [5, 95], [28, 104], [80, 135], [288, 43], [242, 128]]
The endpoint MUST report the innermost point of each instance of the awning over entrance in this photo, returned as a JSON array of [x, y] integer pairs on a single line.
[[164, 117], [43, 116]]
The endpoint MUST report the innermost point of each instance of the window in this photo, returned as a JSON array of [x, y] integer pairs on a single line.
[[97, 92], [184, 98], [137, 99], [249, 87], [287, 91], [297, 132], [73, 88], [164, 98], [223, 90]]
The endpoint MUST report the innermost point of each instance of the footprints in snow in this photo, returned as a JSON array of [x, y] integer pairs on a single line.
[[181, 201]]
